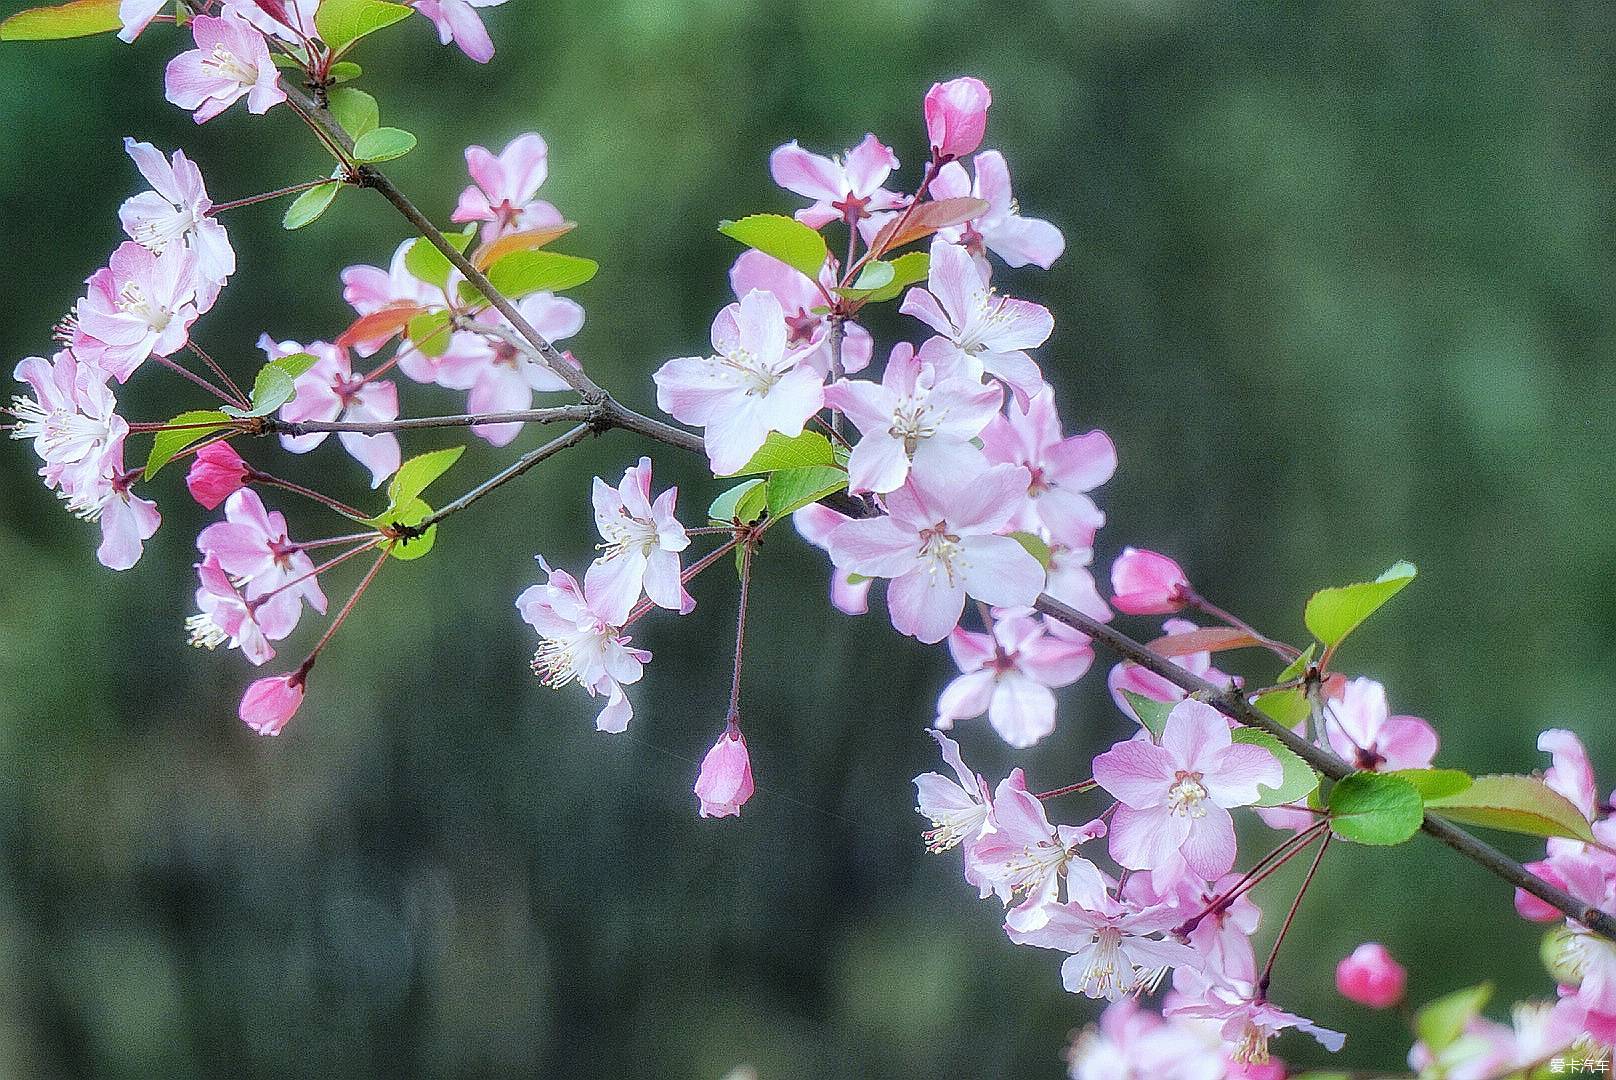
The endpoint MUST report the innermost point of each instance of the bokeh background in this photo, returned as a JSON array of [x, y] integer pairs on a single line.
[[1338, 283]]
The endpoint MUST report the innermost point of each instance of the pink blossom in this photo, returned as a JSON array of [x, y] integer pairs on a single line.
[[217, 471], [1062, 470], [140, 304], [1571, 774], [799, 296], [938, 544], [1071, 582], [1142, 681], [1145, 583], [1371, 977], [291, 21], [252, 546], [750, 386], [271, 701], [1009, 675], [226, 617], [370, 289], [458, 21], [1132, 1043], [98, 488], [987, 333], [841, 192], [136, 15], [71, 419], [500, 377], [849, 593], [328, 391], [1000, 228], [1175, 797], [1248, 1022], [1020, 856], [175, 212], [230, 61], [503, 188], [725, 782], [1360, 730], [1222, 930], [1528, 906], [959, 812], [642, 542], [1587, 956], [956, 117], [580, 645]]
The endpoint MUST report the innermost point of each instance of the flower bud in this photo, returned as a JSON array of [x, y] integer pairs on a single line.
[[270, 702], [725, 782], [1371, 977], [216, 473], [956, 117], [1145, 583]]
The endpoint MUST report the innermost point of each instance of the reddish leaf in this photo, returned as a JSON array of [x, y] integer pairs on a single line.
[[1206, 639], [528, 240], [379, 325], [924, 220]]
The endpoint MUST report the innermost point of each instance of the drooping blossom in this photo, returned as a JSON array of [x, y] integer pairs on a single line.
[[271, 701], [1021, 857], [71, 419], [108, 498], [1062, 470], [1147, 583], [580, 645], [849, 593], [751, 385], [641, 541], [912, 419], [1133, 1043], [329, 390], [458, 22], [226, 618], [503, 378], [175, 212], [1248, 1022], [503, 188], [216, 473], [956, 117], [1010, 674], [136, 15], [1370, 976], [807, 329], [725, 781], [1175, 797], [1361, 730], [252, 546], [938, 544], [847, 191], [139, 305], [230, 62], [988, 333], [959, 811], [1000, 228]]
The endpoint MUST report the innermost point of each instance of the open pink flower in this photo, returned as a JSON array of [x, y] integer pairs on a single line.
[[71, 419], [329, 390], [1248, 1022], [175, 213], [1062, 470], [938, 544], [503, 188], [1361, 730], [1021, 857], [642, 542], [725, 781], [580, 645], [1009, 675], [230, 62], [912, 418], [458, 21], [271, 701], [370, 289], [139, 305], [107, 496], [252, 546], [1134, 1043], [217, 472], [841, 191], [849, 593], [750, 386], [1371, 977], [1072, 582], [500, 377], [956, 117], [807, 330], [959, 811], [988, 333], [1000, 229], [1145, 583], [226, 618], [1175, 797]]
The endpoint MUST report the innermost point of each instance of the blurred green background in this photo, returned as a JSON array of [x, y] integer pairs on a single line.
[[1338, 282]]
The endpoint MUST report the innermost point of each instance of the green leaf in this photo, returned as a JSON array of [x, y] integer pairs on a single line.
[[785, 238], [426, 263], [355, 110], [383, 143], [343, 22], [307, 207], [743, 502], [1435, 783], [524, 272], [1518, 804], [295, 364], [428, 331], [165, 444], [1299, 778], [875, 275], [274, 385], [78, 19], [1332, 614], [907, 269], [789, 452], [1442, 1021], [789, 490], [345, 71], [1298, 667], [1151, 713], [1035, 547], [1288, 707], [1375, 808], [414, 476], [411, 512]]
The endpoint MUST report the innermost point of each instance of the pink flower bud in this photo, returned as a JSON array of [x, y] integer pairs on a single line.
[[1145, 583], [216, 473], [956, 117], [725, 782], [270, 702], [1371, 977]]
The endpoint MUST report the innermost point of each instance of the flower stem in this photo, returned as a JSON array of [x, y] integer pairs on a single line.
[[342, 508], [1268, 968], [740, 631], [250, 200], [342, 615]]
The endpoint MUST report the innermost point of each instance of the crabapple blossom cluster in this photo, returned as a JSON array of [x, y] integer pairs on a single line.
[[942, 477]]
